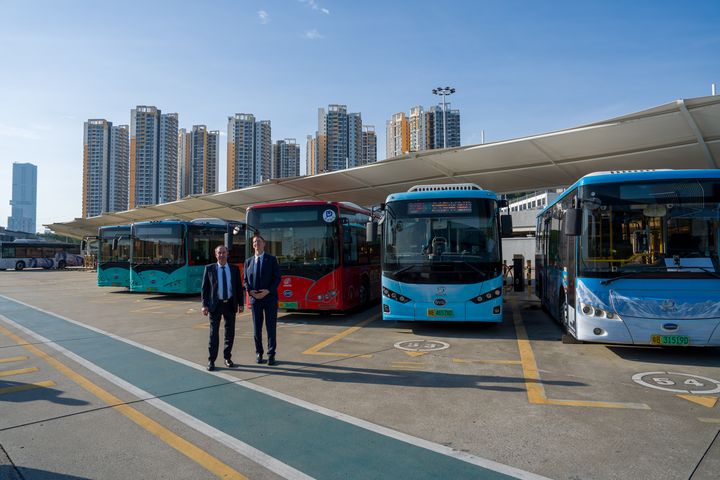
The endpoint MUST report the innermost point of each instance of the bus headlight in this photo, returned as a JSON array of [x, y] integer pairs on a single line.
[[394, 295], [484, 297], [592, 311]]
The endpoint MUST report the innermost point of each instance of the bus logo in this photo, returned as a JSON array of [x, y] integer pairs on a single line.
[[439, 302], [668, 305], [670, 327], [441, 290], [287, 293], [329, 215], [287, 281]]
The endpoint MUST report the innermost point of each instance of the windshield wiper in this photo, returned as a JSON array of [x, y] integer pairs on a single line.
[[658, 269], [484, 274]]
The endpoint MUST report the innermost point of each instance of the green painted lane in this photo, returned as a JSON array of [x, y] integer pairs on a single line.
[[315, 444]]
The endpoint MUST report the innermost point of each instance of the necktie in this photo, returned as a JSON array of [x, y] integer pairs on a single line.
[[258, 269], [226, 295]]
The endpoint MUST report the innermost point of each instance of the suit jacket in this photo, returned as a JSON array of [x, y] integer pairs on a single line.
[[210, 293], [269, 277]]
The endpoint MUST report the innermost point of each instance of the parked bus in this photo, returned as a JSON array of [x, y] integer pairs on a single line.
[[113, 256], [22, 254], [442, 256], [325, 259], [631, 257], [170, 256]]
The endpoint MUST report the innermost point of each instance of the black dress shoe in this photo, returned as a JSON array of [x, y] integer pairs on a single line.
[[229, 363], [211, 366], [259, 358], [271, 360]]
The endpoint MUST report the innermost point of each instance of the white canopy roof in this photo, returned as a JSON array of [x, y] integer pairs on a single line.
[[681, 134]]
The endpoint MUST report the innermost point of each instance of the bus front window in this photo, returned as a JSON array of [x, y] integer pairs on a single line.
[[159, 245], [661, 228], [458, 245]]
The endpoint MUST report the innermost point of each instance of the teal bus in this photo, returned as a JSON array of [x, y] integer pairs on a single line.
[[169, 256], [113, 256]]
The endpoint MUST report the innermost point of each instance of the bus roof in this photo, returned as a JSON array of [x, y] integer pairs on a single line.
[[108, 227], [296, 203], [441, 192], [198, 221], [627, 176]]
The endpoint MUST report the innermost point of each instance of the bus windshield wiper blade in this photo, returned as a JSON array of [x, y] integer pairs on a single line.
[[484, 274], [659, 269]]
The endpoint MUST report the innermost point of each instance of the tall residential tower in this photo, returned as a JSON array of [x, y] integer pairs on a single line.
[[249, 151], [105, 167]]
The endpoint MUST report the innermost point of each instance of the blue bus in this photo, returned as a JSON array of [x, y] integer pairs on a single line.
[[169, 256], [631, 257], [113, 256], [441, 254]]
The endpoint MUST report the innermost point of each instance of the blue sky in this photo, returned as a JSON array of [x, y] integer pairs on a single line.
[[519, 67]]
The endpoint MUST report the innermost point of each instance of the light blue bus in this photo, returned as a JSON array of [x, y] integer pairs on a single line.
[[441, 254], [113, 256], [631, 257], [169, 256]]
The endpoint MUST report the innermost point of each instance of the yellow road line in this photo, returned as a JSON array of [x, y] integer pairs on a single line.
[[27, 386], [491, 362], [315, 350], [533, 383], [12, 359], [709, 420], [19, 371], [196, 454]]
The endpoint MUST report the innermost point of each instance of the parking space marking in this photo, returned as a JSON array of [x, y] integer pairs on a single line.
[[408, 365], [13, 359], [533, 384], [489, 362], [705, 401], [27, 386], [315, 350], [19, 371], [188, 449], [709, 420]]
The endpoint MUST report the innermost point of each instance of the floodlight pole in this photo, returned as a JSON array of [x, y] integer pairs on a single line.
[[443, 92]]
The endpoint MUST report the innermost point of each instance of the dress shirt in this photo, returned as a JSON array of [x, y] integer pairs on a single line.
[[224, 281]]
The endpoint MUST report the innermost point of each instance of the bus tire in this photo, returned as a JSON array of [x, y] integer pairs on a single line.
[[61, 264], [20, 266]]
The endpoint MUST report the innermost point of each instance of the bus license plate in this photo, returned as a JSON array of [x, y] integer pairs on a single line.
[[290, 305], [439, 312], [679, 340]]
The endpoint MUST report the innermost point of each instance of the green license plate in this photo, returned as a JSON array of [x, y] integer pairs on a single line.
[[290, 305], [439, 312], [680, 340]]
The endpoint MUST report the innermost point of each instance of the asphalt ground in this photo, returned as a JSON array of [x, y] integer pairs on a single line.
[[102, 383]]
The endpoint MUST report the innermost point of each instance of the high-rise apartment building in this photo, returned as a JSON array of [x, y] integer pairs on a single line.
[[286, 158], [183, 178], [153, 156], [338, 140], [311, 166], [397, 138], [422, 130], [249, 151], [203, 165], [24, 198], [105, 167], [369, 145]]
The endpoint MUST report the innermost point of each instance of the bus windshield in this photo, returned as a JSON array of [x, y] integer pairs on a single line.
[[304, 244], [659, 229], [119, 254], [441, 241], [159, 244]]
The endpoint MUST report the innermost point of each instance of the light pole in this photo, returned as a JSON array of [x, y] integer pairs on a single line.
[[443, 92]]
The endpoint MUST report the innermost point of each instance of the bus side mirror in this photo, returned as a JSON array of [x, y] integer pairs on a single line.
[[371, 232], [506, 226], [228, 240], [83, 245], [573, 222], [502, 203], [115, 242]]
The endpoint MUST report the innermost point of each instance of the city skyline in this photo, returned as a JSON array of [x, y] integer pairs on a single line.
[[518, 69]]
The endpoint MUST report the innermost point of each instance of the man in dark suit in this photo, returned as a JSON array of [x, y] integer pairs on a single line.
[[222, 296], [262, 278]]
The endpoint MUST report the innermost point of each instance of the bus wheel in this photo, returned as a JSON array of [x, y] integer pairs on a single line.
[[19, 266], [61, 264]]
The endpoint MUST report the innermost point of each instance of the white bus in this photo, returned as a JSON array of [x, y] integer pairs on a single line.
[[22, 254]]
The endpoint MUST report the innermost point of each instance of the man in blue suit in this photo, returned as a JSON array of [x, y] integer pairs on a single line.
[[222, 296], [262, 278]]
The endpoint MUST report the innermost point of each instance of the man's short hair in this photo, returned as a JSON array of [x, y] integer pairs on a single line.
[[221, 245], [257, 235]]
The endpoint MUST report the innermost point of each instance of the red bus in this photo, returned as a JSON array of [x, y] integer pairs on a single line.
[[325, 259]]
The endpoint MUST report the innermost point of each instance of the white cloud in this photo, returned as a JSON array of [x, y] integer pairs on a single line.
[[313, 35], [18, 132], [314, 5], [325, 11], [264, 17]]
